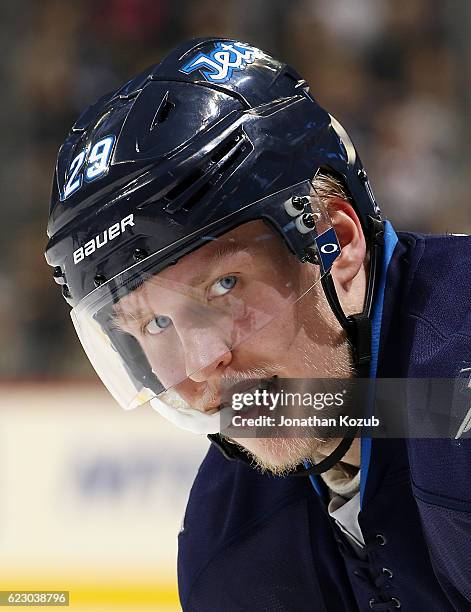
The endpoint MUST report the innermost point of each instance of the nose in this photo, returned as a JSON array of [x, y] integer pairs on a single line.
[[206, 353]]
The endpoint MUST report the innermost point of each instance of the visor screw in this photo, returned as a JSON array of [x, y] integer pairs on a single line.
[[295, 205], [139, 254], [362, 175], [58, 275], [299, 202], [66, 292], [305, 223], [308, 220], [312, 256], [99, 280]]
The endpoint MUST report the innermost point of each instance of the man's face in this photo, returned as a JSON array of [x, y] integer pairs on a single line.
[[231, 311]]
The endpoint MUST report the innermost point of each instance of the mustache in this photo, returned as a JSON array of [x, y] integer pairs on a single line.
[[211, 395], [263, 370]]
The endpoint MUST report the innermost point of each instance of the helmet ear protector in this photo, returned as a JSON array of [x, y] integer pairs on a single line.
[[189, 149]]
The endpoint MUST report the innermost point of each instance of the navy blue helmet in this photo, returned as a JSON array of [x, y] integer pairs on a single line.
[[190, 144], [182, 146]]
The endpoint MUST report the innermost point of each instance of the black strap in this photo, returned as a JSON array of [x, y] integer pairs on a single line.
[[230, 450], [328, 462], [358, 326], [360, 338]]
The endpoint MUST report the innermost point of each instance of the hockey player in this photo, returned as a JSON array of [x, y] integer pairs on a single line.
[[210, 224]]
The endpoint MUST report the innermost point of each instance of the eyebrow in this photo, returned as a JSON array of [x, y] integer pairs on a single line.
[[213, 259], [123, 318]]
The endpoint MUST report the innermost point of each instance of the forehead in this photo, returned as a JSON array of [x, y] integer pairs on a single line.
[[255, 239]]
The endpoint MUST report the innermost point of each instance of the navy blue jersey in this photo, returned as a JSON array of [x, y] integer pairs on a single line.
[[259, 543]]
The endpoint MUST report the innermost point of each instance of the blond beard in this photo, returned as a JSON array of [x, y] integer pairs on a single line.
[[286, 454]]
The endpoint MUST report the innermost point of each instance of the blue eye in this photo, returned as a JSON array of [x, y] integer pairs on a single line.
[[223, 285], [158, 324]]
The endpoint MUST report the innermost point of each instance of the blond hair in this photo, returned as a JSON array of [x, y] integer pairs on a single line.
[[328, 186]]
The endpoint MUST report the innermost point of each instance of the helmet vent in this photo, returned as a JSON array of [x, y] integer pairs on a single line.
[[183, 186], [212, 170], [162, 113]]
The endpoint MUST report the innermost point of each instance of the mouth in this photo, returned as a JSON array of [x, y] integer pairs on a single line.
[[248, 386], [223, 399]]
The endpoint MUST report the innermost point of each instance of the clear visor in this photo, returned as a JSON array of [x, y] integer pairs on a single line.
[[226, 309]]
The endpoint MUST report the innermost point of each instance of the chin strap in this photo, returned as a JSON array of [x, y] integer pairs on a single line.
[[358, 330], [327, 463]]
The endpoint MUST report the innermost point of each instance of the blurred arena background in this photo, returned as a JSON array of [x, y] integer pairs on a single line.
[[91, 498]]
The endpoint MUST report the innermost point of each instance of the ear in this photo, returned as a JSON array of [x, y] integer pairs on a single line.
[[352, 241]]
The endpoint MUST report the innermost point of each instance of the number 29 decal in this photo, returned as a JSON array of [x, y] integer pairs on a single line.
[[88, 168]]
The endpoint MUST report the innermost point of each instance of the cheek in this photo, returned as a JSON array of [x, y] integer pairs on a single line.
[[297, 342], [271, 343], [264, 312], [165, 356]]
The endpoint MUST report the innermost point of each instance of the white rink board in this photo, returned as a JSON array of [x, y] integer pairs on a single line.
[[87, 489]]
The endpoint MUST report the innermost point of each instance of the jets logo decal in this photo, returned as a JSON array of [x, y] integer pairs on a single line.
[[219, 65]]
